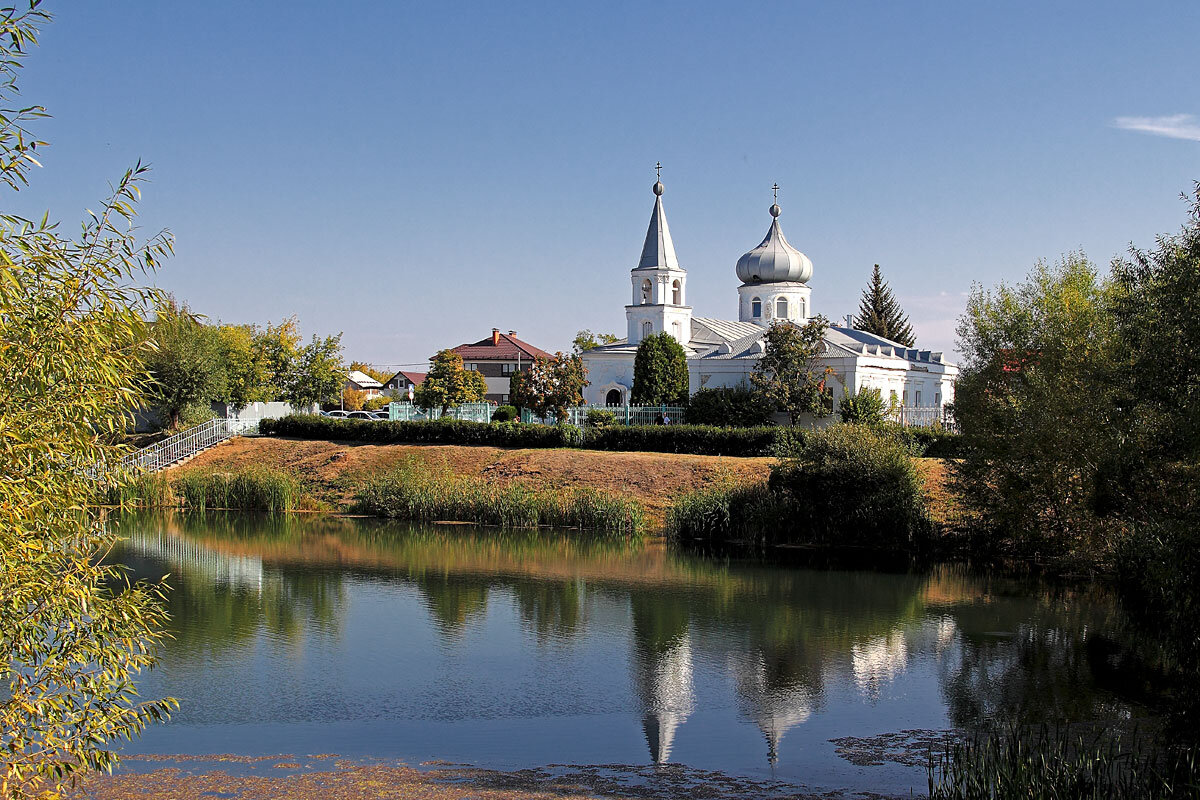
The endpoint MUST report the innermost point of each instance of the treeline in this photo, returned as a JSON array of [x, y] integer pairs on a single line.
[[193, 364]]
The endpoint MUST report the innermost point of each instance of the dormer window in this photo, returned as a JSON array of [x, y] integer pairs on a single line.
[[756, 308], [646, 289]]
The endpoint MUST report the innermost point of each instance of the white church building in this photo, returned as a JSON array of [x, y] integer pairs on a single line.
[[722, 353]]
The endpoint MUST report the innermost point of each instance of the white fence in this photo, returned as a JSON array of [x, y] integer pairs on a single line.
[[187, 443], [407, 412], [924, 417]]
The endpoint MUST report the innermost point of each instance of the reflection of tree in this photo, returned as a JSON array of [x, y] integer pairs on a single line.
[[453, 600], [662, 667], [551, 609]]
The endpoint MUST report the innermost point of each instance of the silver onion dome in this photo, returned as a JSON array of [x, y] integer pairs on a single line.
[[774, 261]]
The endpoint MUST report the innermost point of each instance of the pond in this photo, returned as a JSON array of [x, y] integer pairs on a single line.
[[507, 650]]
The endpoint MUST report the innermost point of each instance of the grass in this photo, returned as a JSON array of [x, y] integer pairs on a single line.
[[725, 513], [252, 489], [413, 490], [1019, 763]]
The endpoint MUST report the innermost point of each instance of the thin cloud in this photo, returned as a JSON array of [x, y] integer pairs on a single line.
[[1174, 126]]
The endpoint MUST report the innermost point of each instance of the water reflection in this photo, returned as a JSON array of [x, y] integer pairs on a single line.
[[557, 628]]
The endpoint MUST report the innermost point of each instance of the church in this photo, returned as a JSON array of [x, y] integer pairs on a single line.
[[774, 287]]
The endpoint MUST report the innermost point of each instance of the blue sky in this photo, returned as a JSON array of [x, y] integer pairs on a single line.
[[416, 174]]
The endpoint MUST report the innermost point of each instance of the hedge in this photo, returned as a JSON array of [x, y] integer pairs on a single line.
[[710, 440]]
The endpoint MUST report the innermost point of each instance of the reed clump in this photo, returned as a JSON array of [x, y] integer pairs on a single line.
[[414, 490], [1046, 763], [251, 489]]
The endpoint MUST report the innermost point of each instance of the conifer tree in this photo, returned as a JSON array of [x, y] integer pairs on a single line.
[[880, 314]]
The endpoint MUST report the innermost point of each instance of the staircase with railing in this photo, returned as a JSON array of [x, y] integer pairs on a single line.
[[187, 443]]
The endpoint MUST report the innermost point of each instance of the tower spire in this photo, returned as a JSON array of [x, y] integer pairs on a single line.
[[659, 250]]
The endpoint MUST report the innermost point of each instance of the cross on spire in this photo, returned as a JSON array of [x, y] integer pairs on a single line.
[[658, 170]]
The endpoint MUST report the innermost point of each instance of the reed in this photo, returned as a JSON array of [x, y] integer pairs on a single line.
[[252, 489], [1046, 763], [726, 513], [413, 490]]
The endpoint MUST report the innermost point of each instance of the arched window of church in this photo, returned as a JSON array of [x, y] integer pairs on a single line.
[[756, 308], [781, 309], [647, 329], [803, 310], [613, 398], [677, 331], [646, 288], [677, 293]]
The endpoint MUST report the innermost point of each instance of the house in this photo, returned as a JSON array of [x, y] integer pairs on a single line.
[[496, 358], [402, 382], [774, 287], [363, 382]]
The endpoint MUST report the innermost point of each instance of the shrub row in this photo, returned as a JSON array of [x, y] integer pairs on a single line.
[[413, 491]]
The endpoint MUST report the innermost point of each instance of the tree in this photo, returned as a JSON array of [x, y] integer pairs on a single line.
[[586, 340], [735, 406], [318, 375], [353, 399], [551, 386], [74, 633], [448, 385], [660, 373], [245, 379], [789, 377], [275, 350], [880, 314], [865, 405], [185, 364]]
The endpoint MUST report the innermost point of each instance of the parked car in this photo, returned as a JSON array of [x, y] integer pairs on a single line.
[[336, 414], [359, 415], [382, 416]]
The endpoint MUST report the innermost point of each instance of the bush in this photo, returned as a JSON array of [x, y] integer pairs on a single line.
[[376, 403], [738, 407], [252, 489], [851, 484], [696, 439], [864, 406], [505, 414], [935, 442], [443, 431], [600, 418]]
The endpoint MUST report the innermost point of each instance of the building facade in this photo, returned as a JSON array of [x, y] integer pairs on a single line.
[[773, 287], [497, 358]]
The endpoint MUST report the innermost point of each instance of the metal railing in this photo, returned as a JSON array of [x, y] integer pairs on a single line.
[[407, 412], [924, 417], [187, 443]]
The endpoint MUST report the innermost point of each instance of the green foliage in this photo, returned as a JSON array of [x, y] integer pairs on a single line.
[[737, 406], [414, 491], [1037, 402], [376, 403], [724, 514], [318, 375], [852, 484], [249, 489], [697, 439], [505, 414], [1045, 763], [245, 376], [788, 377], [74, 633], [448, 385], [275, 350], [185, 362], [865, 405], [880, 314], [586, 340], [600, 418], [367, 369], [660, 374], [932, 442], [551, 386]]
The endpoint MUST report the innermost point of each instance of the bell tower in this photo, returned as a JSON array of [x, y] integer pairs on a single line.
[[659, 284]]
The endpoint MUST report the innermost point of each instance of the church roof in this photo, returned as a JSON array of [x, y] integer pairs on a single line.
[[659, 251], [868, 344], [722, 329], [774, 260]]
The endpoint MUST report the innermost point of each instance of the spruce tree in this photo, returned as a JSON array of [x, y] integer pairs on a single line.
[[880, 314]]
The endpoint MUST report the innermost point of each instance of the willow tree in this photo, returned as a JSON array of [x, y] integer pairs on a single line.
[[73, 633]]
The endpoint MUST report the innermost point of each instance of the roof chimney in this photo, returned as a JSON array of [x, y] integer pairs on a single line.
[[512, 333], [495, 336]]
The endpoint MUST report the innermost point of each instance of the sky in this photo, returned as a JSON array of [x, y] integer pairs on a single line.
[[413, 175]]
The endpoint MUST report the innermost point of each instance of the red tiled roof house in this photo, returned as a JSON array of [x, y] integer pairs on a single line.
[[496, 358]]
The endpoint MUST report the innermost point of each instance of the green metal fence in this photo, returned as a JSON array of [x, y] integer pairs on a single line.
[[406, 412], [623, 415]]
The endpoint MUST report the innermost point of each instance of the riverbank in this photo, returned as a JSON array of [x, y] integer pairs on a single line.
[[333, 472]]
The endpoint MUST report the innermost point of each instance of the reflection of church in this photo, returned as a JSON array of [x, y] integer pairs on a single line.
[[774, 288]]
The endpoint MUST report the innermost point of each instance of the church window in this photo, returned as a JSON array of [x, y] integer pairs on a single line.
[[937, 398], [646, 289], [613, 398], [677, 331], [647, 329], [781, 309], [917, 402], [803, 310], [756, 308], [677, 293]]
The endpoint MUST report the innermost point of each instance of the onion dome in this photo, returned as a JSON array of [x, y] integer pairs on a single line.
[[774, 261]]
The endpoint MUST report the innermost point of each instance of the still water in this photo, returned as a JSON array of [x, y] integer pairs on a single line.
[[370, 639]]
